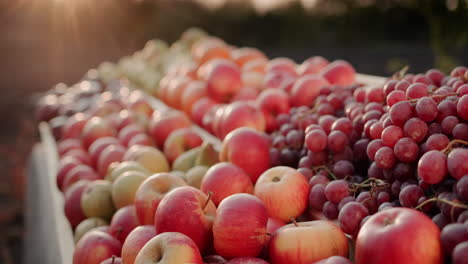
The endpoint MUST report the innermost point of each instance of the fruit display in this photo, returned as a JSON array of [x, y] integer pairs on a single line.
[[202, 152]]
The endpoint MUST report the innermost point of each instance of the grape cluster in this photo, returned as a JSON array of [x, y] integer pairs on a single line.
[[369, 149]]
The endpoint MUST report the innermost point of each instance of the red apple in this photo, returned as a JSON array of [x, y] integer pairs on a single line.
[[242, 114], [256, 65], [247, 93], [175, 90], [179, 141], [123, 222], [313, 65], [334, 260], [73, 127], [284, 191], [223, 80], [80, 172], [307, 242], [200, 108], [248, 149], [112, 260], [283, 65], [110, 154], [243, 55], [99, 145], [95, 247], [65, 165], [189, 211], [213, 259], [214, 51], [339, 72], [80, 155], [253, 81], [225, 179], [135, 241], [72, 205], [124, 118], [141, 139], [247, 260], [68, 144], [128, 132], [399, 235], [151, 192], [306, 89], [96, 128], [138, 104], [273, 225], [163, 123], [169, 247], [239, 228], [193, 92], [212, 119], [273, 102], [279, 80]]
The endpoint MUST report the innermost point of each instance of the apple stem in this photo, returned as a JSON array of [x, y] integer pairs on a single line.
[[293, 220], [449, 147], [119, 232], [210, 194], [113, 259], [269, 234]]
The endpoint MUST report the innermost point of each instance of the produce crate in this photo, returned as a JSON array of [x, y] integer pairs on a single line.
[[49, 236]]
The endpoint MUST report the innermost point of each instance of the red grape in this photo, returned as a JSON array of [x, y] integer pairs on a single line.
[[417, 90], [337, 141], [448, 124], [374, 171], [462, 107], [402, 171], [383, 197], [373, 147], [317, 197], [330, 210], [415, 129], [401, 112], [318, 179], [432, 167], [350, 217], [462, 188], [426, 109], [410, 195], [318, 158], [375, 130], [435, 76], [343, 168], [395, 97], [460, 253], [389, 86], [406, 150], [452, 235], [460, 131], [402, 85], [336, 190], [345, 200], [440, 220], [316, 140], [390, 135], [326, 122], [437, 142], [344, 125], [457, 162], [446, 108]]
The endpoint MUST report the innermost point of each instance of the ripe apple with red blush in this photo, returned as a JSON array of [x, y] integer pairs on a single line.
[[95, 128], [123, 222], [164, 122], [135, 241], [179, 141], [72, 205], [95, 247], [273, 102]]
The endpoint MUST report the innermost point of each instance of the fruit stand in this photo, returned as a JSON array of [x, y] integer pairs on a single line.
[[212, 129]]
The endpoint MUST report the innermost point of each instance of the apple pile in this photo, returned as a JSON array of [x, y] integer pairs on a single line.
[[313, 166]]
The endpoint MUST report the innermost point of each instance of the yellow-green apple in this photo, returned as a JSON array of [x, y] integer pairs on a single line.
[[208, 155], [123, 222], [241, 114], [95, 247], [334, 260], [248, 149], [150, 158], [128, 132], [141, 139], [195, 175], [186, 160], [339, 72], [223, 79], [125, 187], [137, 103], [151, 192], [74, 126], [312, 65], [162, 124], [112, 260], [169, 247], [243, 55], [95, 128], [399, 235], [68, 144], [240, 225], [64, 166], [273, 102], [80, 172], [225, 179], [307, 242], [284, 191], [96, 200], [179, 141], [306, 89], [247, 260], [283, 65], [110, 154], [135, 241], [88, 224], [194, 91], [200, 108], [99, 145], [116, 171], [72, 205], [189, 211]]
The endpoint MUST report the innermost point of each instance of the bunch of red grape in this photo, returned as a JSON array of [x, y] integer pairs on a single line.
[[403, 144]]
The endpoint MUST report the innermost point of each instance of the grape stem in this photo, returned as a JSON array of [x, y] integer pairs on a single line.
[[372, 183], [449, 147], [437, 96], [401, 73], [435, 199], [326, 169]]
